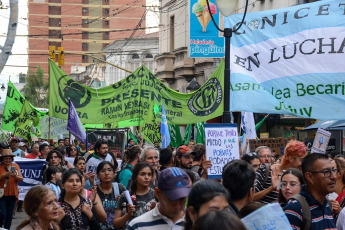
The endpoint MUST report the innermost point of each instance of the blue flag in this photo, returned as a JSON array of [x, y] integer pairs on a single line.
[[74, 125], [164, 130]]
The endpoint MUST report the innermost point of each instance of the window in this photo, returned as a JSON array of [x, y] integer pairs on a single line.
[[172, 33], [84, 45], [147, 56], [84, 57], [106, 11], [85, 10], [85, 21], [106, 34], [135, 56], [106, 23]]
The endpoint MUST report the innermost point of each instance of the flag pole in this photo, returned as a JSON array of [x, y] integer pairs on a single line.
[[49, 128]]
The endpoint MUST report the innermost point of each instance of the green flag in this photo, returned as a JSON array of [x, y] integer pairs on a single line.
[[175, 135], [28, 117], [132, 97], [131, 135], [13, 106], [200, 133], [150, 130], [187, 134], [258, 125]]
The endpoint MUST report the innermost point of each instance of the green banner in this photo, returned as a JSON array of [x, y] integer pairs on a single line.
[[131, 98], [28, 117], [150, 130], [175, 135], [200, 133], [13, 105], [187, 134]]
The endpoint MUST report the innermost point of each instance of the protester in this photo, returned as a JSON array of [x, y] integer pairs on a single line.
[[130, 142], [42, 209], [66, 142], [253, 159], [140, 190], [150, 155], [172, 191], [79, 163], [267, 183], [108, 191], [264, 153], [14, 147], [64, 162], [319, 175], [238, 179], [54, 158], [205, 196], [22, 146], [219, 220], [291, 183], [60, 143], [44, 150], [191, 144], [35, 151], [77, 210], [10, 175], [93, 198], [184, 157], [200, 164], [72, 151], [166, 159], [82, 149], [54, 177], [131, 158], [100, 154], [338, 203]]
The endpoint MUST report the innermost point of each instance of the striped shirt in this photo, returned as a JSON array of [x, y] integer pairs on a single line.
[[259, 186], [56, 189], [321, 215], [154, 220]]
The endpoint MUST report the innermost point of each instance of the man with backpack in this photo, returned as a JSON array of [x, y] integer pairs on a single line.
[[101, 154], [309, 209]]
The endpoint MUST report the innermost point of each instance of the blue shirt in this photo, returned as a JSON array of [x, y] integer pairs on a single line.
[[56, 189], [321, 215]]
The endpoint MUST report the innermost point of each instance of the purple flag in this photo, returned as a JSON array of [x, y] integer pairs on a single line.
[[74, 125]]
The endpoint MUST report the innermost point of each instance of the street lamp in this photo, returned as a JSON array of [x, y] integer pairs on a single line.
[[227, 7]]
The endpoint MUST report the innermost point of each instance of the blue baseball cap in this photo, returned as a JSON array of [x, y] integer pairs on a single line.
[[174, 182]]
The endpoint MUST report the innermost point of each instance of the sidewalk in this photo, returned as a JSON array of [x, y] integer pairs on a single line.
[[20, 216]]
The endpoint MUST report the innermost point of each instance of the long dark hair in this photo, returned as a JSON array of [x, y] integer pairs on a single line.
[[102, 164], [136, 170], [65, 177], [218, 220], [202, 192], [281, 199]]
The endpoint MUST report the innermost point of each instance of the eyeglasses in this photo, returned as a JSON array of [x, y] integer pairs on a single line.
[[265, 156], [73, 149], [251, 154], [327, 173], [292, 184]]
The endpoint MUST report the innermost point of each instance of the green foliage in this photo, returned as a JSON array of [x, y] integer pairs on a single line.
[[35, 89]]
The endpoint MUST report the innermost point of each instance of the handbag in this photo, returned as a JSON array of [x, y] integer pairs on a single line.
[[2, 190]]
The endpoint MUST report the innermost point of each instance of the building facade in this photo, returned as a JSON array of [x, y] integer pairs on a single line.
[[81, 27], [130, 55]]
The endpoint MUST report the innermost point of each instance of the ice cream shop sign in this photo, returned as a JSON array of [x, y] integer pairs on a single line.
[[204, 37]]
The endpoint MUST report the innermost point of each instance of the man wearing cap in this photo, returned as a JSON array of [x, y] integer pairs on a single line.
[[184, 157], [172, 192], [14, 147], [22, 146]]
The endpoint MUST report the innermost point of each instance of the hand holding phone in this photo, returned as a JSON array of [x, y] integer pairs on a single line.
[[91, 168], [13, 169]]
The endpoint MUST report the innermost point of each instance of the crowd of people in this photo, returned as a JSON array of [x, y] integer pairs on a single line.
[[155, 188]]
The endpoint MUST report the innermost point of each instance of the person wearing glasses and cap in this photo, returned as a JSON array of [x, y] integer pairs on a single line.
[[172, 192], [319, 175]]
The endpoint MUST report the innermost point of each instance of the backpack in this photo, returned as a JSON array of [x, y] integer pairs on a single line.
[[306, 221]]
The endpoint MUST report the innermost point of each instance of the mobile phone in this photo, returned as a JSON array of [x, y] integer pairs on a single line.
[[13, 169], [91, 168]]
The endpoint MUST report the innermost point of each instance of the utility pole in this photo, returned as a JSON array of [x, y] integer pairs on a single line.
[[6, 50]]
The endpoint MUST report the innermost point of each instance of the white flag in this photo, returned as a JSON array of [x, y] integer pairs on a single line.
[[248, 127]]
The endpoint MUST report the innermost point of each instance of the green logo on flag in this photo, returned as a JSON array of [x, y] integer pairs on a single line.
[[79, 95]]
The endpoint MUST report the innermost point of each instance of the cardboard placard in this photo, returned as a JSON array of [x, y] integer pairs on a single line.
[[221, 147], [276, 145], [321, 141]]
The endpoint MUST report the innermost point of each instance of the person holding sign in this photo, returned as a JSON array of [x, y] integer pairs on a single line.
[[267, 182]]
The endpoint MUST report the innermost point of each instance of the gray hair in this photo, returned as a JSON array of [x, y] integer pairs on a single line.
[[258, 149], [144, 151]]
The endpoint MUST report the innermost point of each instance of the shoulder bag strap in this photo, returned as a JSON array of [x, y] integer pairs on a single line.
[[306, 223]]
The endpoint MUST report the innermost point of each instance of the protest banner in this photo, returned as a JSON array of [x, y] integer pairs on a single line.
[[58, 127], [289, 61], [321, 140], [270, 216], [276, 145], [221, 147], [32, 174], [131, 98], [204, 39]]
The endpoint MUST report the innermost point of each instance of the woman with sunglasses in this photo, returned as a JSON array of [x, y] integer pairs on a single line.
[[290, 184], [72, 151], [253, 159]]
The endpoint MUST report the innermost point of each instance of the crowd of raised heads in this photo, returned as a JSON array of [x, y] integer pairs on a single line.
[[149, 188]]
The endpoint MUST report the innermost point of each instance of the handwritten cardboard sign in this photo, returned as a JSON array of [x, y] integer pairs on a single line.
[[271, 216], [277, 145], [221, 147], [321, 141]]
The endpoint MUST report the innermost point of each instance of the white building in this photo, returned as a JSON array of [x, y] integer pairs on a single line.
[[130, 54]]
